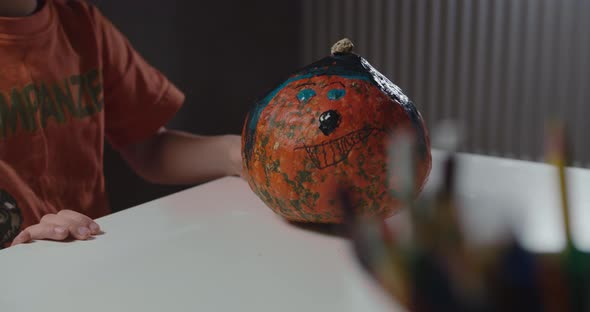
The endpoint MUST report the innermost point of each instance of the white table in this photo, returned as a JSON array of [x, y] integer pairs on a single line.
[[216, 247]]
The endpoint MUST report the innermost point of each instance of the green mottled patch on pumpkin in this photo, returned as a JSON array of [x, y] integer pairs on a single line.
[[280, 125], [264, 141], [275, 165], [371, 194], [296, 187], [308, 199], [361, 166], [332, 202], [291, 132], [376, 179], [283, 207], [381, 196], [308, 165], [304, 176], [357, 88], [375, 207], [265, 195], [316, 196], [362, 204], [257, 155], [263, 158], [297, 205], [362, 173], [289, 104]]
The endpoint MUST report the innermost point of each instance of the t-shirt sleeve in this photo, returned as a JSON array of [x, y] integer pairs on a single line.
[[138, 98]]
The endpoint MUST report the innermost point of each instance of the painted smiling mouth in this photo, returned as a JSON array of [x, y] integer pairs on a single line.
[[330, 153]]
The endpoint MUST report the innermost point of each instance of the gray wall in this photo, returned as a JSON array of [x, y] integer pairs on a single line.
[[222, 54]]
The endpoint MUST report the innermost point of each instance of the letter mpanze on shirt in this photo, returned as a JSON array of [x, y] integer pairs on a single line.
[[33, 106]]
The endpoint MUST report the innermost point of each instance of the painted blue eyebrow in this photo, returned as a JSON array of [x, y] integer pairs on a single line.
[[305, 95], [336, 94]]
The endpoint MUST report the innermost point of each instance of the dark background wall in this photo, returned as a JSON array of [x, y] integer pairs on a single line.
[[222, 54]]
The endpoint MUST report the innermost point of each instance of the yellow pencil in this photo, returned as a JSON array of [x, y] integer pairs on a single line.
[[556, 155]]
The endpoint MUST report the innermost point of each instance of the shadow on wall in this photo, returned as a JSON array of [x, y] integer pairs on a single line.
[[222, 54]]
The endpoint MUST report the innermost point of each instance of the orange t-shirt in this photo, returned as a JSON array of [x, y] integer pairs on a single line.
[[68, 80]]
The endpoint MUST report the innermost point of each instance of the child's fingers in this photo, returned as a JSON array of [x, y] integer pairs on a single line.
[[78, 230], [45, 230], [59, 227], [81, 219], [22, 238]]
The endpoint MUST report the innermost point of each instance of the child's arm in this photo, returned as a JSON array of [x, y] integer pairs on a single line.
[[175, 157], [138, 99]]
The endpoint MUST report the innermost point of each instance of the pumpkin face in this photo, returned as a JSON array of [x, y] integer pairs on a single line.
[[325, 128]]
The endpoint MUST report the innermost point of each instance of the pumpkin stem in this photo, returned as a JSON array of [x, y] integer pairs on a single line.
[[343, 46]]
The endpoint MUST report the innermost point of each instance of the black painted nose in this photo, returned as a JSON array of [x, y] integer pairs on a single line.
[[329, 121]]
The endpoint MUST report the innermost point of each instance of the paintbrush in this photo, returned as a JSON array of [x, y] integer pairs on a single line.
[[444, 274], [384, 262], [556, 154], [576, 263]]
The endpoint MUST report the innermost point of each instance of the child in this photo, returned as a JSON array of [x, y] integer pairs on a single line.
[[68, 81]]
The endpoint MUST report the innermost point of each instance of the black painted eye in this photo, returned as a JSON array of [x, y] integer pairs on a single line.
[[329, 121]]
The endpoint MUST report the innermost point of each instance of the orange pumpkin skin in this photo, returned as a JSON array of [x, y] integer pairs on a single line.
[[321, 131]]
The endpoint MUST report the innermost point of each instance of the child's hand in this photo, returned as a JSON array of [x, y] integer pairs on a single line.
[[235, 155], [58, 227]]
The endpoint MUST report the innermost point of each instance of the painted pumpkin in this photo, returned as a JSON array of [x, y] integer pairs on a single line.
[[326, 126]]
